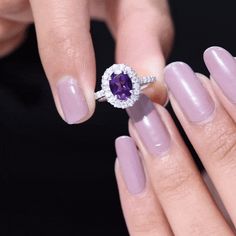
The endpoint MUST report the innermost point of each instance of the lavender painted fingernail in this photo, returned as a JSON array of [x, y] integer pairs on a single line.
[[189, 92], [149, 126], [222, 67], [73, 103], [130, 164]]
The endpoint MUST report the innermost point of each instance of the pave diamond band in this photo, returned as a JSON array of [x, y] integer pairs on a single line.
[[121, 86], [146, 80]]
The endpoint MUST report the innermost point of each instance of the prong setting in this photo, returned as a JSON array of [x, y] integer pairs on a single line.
[[112, 98]]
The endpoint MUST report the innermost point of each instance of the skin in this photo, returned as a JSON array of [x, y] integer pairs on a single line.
[[65, 44], [177, 200], [144, 27]]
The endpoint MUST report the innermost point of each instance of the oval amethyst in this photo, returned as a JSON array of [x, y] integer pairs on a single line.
[[121, 85]]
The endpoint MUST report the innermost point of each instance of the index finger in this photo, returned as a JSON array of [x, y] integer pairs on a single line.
[[66, 50]]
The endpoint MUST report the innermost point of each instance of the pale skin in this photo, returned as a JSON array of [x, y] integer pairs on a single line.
[[176, 199], [65, 45]]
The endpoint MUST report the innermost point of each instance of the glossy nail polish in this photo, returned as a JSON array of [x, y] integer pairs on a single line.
[[72, 100], [149, 126], [130, 164], [187, 89], [222, 67]]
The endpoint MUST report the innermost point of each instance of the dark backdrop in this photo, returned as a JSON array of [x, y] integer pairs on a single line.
[[58, 179]]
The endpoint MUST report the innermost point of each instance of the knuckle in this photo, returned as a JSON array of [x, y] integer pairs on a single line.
[[63, 38], [199, 229], [175, 181], [9, 46], [4, 29], [223, 144], [149, 13], [145, 217], [145, 224], [131, 16], [9, 28], [16, 6], [58, 42]]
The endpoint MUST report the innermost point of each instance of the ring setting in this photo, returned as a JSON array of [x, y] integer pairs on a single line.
[[121, 86]]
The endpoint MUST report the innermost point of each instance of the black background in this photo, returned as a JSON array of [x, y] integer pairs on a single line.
[[58, 179]]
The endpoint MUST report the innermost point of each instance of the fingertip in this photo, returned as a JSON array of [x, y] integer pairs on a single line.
[[122, 139], [212, 49], [157, 92], [74, 108]]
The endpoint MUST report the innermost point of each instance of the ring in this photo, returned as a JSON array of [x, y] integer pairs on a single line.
[[121, 86]]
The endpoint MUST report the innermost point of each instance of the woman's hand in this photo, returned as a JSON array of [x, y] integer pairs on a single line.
[[162, 191], [142, 30]]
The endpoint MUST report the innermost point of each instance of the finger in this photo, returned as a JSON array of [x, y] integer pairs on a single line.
[[183, 195], [97, 9], [209, 127], [222, 67], [143, 32], [66, 50], [141, 208], [9, 29], [217, 199], [17, 10], [11, 44]]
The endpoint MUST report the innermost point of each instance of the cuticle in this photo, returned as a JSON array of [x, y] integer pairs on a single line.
[[208, 119]]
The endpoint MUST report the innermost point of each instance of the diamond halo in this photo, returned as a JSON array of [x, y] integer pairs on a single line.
[[121, 86], [113, 99]]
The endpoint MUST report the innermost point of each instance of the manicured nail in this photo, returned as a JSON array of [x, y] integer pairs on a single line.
[[130, 164], [222, 67], [149, 126], [73, 103], [189, 92]]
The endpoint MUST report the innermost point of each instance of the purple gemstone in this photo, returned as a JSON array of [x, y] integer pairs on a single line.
[[121, 85]]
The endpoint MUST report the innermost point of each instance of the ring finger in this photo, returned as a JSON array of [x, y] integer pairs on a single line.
[[143, 213]]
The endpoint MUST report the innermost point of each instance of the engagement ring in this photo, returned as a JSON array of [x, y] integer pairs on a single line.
[[121, 86]]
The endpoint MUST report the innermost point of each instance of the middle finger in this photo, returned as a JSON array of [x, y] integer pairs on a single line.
[[209, 127], [179, 187]]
